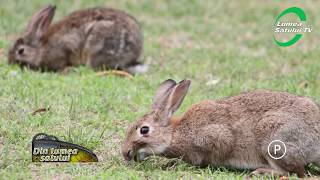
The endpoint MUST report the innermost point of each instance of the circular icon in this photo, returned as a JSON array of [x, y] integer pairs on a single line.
[[277, 149]]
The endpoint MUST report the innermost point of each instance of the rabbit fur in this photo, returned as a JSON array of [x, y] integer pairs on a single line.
[[102, 38], [233, 131]]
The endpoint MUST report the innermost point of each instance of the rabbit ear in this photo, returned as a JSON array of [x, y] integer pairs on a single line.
[[176, 97], [162, 93], [40, 21], [172, 101]]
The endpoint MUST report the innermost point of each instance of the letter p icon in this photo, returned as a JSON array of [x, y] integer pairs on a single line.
[[277, 149]]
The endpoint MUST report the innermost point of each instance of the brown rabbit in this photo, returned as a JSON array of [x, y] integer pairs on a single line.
[[98, 37], [234, 131]]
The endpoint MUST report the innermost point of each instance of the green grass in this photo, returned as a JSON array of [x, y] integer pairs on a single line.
[[228, 43]]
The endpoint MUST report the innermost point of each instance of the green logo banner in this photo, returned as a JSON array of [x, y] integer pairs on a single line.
[[302, 16]]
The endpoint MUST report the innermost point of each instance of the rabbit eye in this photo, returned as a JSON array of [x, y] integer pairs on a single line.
[[21, 51], [144, 130]]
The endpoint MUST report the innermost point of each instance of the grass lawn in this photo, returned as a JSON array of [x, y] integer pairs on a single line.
[[223, 47]]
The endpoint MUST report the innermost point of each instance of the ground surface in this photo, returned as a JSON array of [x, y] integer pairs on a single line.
[[223, 47]]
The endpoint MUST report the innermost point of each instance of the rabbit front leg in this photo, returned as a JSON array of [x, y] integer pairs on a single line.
[[67, 70], [214, 142]]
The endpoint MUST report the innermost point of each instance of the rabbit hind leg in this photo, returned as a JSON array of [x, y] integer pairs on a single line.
[[291, 161]]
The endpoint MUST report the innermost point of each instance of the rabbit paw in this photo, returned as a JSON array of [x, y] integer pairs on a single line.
[[267, 171], [67, 70]]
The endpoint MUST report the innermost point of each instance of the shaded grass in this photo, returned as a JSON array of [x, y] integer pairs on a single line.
[[226, 43]]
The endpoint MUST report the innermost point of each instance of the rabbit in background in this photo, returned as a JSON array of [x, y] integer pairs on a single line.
[[102, 38], [233, 131]]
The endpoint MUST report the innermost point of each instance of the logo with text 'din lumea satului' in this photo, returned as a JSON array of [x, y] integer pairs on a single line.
[[290, 25], [47, 148]]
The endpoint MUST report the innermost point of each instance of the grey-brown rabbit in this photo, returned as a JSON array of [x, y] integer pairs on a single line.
[[234, 131], [97, 37]]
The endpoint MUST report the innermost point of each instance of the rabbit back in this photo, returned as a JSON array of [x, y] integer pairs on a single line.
[[242, 126], [99, 37], [252, 107]]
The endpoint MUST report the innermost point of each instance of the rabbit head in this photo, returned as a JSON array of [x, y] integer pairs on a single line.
[[152, 134], [27, 48]]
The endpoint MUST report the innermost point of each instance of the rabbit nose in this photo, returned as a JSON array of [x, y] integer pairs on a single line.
[[128, 155]]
